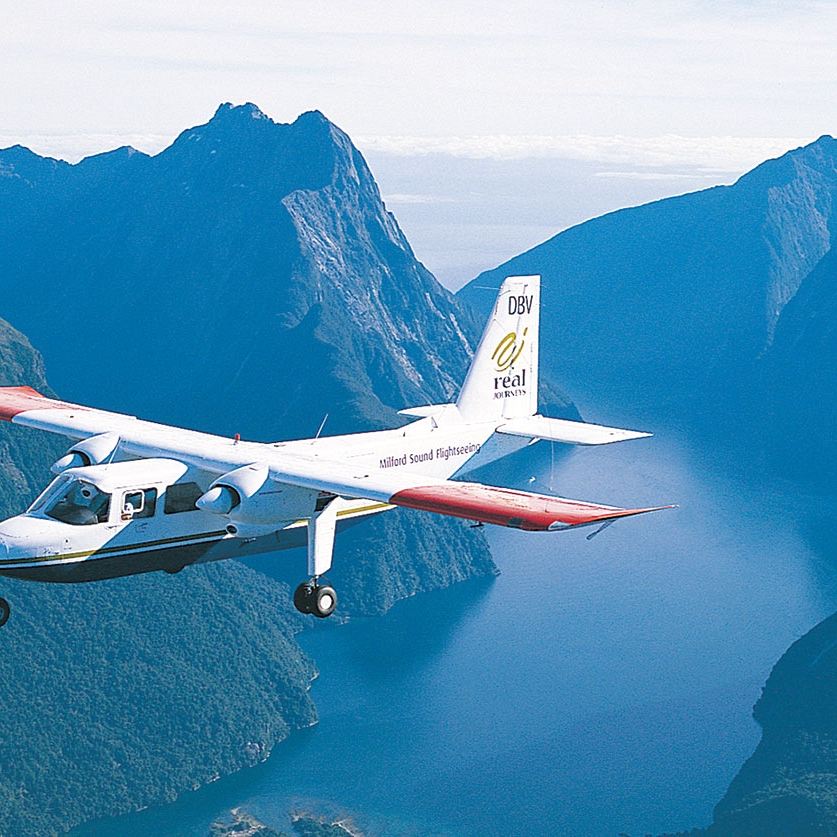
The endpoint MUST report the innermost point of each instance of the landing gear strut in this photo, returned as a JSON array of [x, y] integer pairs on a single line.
[[5, 610], [315, 598]]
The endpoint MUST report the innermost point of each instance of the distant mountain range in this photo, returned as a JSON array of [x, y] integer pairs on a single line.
[[709, 307]]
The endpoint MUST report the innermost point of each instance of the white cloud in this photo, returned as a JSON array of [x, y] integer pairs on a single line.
[[710, 154], [638, 157], [689, 67]]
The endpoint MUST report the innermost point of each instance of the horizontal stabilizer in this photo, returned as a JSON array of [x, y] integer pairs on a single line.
[[448, 412], [568, 432], [507, 507]]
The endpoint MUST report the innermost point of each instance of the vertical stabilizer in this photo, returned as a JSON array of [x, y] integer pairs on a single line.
[[502, 382]]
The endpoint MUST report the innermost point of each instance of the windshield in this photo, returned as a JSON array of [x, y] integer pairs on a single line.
[[47, 494], [80, 504]]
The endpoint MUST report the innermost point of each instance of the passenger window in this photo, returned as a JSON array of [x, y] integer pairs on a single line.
[[81, 504], [181, 497], [139, 504]]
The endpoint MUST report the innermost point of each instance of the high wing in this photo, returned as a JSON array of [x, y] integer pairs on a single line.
[[218, 455]]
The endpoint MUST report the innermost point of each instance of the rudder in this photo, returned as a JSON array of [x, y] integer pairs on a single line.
[[503, 379]]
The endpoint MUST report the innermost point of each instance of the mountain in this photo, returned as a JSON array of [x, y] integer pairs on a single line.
[[248, 279], [127, 693], [789, 786], [668, 307], [717, 311], [214, 283], [799, 374]]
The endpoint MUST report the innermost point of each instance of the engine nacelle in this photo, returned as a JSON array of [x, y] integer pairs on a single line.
[[249, 495], [92, 451]]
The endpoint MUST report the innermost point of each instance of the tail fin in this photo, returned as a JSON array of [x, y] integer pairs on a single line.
[[502, 382]]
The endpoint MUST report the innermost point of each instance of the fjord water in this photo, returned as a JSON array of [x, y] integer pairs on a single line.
[[595, 687]]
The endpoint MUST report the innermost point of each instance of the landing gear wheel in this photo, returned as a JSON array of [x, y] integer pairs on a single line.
[[325, 600], [5, 610], [316, 599]]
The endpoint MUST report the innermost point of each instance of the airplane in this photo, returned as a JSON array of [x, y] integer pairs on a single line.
[[132, 496]]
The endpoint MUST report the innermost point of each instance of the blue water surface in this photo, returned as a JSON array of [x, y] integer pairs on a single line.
[[595, 687]]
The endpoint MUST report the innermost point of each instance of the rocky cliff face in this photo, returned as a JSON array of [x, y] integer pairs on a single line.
[[799, 379], [194, 282]]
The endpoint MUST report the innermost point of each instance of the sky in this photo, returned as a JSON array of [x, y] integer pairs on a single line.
[[645, 99]]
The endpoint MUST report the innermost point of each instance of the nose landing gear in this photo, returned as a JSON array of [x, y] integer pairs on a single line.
[[315, 598], [5, 610]]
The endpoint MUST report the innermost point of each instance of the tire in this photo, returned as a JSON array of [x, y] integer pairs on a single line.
[[324, 601], [5, 610], [303, 597]]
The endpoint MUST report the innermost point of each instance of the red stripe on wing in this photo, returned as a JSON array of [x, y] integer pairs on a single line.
[[507, 507], [16, 400]]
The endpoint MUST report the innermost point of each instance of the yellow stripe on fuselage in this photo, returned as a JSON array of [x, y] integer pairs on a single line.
[[182, 540]]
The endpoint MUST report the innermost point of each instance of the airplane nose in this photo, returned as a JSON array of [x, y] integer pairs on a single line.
[[4, 550]]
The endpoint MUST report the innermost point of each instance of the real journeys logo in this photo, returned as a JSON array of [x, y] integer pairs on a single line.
[[508, 350]]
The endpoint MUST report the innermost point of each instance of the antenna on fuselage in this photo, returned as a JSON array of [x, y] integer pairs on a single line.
[[322, 425]]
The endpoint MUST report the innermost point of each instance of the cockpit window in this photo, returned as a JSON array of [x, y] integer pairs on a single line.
[[81, 504]]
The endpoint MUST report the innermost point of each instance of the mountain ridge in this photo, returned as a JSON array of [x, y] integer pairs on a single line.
[[675, 301], [228, 284]]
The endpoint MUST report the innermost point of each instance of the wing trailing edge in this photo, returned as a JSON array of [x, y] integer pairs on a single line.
[[507, 507]]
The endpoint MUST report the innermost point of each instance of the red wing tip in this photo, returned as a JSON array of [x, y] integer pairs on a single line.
[[508, 507], [16, 400], [22, 390], [628, 512]]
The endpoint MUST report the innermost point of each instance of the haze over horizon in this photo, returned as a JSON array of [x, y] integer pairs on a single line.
[[588, 108]]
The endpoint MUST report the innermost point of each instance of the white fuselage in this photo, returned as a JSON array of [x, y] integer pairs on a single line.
[[37, 546]]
